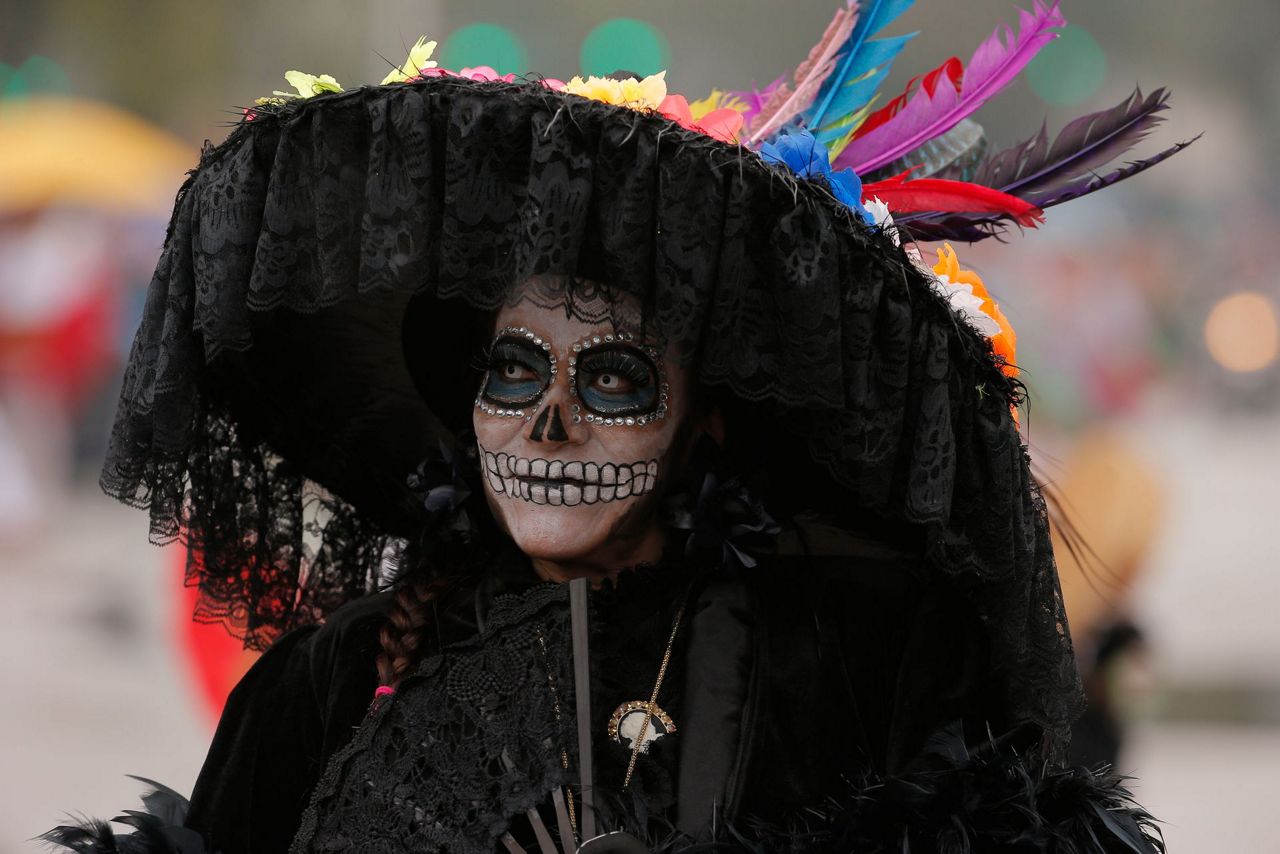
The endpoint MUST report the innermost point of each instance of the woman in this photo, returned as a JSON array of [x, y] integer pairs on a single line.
[[698, 502]]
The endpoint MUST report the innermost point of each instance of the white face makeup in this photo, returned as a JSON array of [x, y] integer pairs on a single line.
[[575, 420]]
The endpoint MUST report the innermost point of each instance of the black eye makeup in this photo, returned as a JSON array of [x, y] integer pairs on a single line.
[[517, 371], [617, 381]]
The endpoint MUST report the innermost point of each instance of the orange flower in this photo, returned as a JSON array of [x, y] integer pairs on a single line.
[[1004, 343]]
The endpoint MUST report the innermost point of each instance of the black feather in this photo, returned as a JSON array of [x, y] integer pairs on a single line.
[[156, 830]]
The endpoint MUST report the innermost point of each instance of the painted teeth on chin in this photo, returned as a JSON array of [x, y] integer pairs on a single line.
[[567, 483]]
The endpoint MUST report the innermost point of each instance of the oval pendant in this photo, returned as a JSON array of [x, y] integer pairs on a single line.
[[628, 720]]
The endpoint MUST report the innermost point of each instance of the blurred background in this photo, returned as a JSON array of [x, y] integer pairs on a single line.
[[1146, 316]]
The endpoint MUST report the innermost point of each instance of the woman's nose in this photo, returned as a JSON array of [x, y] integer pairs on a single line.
[[553, 422]]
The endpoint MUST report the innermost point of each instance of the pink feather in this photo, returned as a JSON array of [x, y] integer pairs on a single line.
[[785, 104], [994, 65]]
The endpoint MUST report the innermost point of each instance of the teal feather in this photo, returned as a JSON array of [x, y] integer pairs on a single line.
[[859, 58], [855, 93]]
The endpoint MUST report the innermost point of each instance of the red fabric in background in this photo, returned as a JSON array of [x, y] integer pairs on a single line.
[[214, 659]]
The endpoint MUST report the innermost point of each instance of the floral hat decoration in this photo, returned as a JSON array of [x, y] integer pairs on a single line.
[[326, 265]]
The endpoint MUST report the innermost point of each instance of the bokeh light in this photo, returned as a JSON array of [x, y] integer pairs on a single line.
[[484, 44], [1242, 332], [39, 75], [1069, 69], [625, 44]]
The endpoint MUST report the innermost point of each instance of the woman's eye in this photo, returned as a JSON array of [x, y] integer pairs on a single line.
[[612, 382], [617, 381], [517, 374]]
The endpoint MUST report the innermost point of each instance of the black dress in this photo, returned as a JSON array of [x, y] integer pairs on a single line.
[[797, 687]]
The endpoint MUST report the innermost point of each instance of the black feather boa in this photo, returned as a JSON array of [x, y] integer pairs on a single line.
[[993, 802], [998, 804]]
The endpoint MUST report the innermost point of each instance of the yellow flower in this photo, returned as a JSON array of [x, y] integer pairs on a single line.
[[644, 94], [717, 100], [596, 88], [419, 58], [309, 84]]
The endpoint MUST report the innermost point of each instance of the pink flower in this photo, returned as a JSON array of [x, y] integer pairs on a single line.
[[723, 124], [485, 74]]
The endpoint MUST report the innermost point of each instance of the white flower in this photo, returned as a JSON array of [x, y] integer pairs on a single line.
[[964, 303], [884, 220]]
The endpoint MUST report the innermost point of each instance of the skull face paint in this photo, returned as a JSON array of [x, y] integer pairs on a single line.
[[575, 419]]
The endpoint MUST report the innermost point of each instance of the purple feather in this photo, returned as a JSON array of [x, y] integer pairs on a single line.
[[755, 99], [1091, 183], [993, 66], [974, 227], [1033, 168]]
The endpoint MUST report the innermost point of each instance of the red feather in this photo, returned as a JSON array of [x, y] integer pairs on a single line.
[[936, 194], [953, 69]]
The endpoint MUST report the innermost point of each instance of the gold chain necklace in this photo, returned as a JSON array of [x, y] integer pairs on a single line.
[[650, 710]]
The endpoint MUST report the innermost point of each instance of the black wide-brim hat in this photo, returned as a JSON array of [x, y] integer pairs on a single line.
[[269, 414]]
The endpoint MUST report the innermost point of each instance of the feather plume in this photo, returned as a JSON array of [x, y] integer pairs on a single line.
[[993, 66], [972, 227], [1033, 167], [853, 99], [955, 155], [952, 71], [936, 194], [862, 65], [785, 103], [754, 99], [1087, 184]]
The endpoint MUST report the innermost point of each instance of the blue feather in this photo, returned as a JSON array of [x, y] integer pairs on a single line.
[[857, 61], [855, 92]]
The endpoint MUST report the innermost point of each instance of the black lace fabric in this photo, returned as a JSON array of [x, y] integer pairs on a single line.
[[473, 738], [268, 416]]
